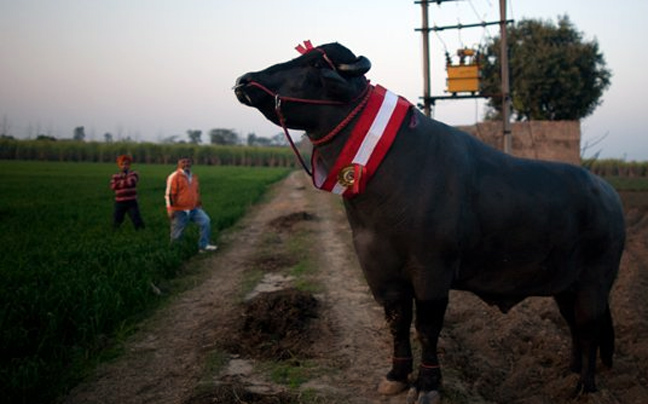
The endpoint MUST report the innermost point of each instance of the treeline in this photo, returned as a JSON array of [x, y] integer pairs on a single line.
[[254, 156], [101, 152], [617, 168]]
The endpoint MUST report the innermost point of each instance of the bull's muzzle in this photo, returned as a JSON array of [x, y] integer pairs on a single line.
[[240, 90]]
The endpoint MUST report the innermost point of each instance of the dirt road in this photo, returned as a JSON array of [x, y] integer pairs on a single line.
[[221, 340]]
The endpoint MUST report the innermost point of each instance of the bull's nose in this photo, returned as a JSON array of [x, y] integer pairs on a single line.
[[242, 81], [239, 90]]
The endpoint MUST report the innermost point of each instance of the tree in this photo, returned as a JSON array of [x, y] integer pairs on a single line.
[[258, 141], [194, 136], [5, 128], [223, 137], [79, 134], [555, 74], [108, 137], [279, 140]]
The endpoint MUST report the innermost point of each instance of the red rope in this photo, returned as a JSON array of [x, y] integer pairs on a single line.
[[292, 144], [293, 99], [278, 99], [346, 120], [424, 366]]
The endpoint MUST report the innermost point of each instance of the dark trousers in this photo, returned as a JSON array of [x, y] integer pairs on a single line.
[[130, 207]]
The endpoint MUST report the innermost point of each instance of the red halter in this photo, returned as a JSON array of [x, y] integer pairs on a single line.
[[279, 99]]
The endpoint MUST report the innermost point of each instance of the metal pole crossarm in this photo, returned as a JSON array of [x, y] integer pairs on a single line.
[[432, 100], [433, 1], [460, 26]]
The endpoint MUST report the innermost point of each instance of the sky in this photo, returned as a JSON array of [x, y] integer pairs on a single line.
[[152, 69]]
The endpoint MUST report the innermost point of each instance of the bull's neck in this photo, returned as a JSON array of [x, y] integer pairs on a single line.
[[331, 149], [330, 143]]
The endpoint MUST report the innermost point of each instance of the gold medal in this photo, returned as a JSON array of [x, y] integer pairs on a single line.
[[346, 176]]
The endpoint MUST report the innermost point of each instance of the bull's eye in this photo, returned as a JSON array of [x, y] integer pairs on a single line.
[[320, 64]]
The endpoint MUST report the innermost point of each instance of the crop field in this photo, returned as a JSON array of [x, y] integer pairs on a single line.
[[69, 282]]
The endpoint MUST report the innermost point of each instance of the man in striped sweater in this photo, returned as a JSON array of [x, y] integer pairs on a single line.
[[184, 205], [124, 184]]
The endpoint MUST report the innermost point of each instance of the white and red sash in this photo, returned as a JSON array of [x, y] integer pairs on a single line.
[[365, 149]]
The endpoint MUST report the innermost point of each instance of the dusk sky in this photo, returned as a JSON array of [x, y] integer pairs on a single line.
[[150, 69]]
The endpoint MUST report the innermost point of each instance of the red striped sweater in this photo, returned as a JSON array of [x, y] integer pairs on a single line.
[[124, 186]]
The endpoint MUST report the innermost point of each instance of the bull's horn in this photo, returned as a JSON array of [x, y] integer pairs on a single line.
[[357, 68]]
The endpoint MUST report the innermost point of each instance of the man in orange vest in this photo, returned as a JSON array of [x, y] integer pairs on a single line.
[[184, 205]]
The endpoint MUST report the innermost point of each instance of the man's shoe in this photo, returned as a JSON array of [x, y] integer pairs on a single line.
[[209, 247]]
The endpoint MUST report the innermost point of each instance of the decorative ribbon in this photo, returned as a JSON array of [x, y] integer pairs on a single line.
[[370, 139], [307, 47]]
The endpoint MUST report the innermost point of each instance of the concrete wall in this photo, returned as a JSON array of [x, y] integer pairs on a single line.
[[543, 140]]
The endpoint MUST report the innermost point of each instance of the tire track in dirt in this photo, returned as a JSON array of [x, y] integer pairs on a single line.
[[361, 346]]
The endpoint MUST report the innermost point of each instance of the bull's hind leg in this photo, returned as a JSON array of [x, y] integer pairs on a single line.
[[566, 302], [607, 338], [399, 318], [590, 325]]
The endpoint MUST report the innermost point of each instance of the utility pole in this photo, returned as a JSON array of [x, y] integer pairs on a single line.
[[427, 105], [429, 100], [506, 96]]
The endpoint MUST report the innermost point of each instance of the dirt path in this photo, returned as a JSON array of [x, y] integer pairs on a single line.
[[488, 357]]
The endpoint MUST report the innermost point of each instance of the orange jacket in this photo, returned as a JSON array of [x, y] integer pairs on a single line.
[[182, 194]]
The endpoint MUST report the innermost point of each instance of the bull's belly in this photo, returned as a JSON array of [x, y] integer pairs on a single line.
[[507, 284]]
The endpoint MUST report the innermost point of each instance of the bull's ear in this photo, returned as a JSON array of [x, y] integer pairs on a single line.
[[359, 67], [336, 85]]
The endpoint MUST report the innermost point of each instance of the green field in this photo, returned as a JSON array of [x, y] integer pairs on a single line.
[[69, 282]]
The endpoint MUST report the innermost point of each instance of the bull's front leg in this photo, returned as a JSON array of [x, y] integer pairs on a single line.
[[398, 314], [429, 321]]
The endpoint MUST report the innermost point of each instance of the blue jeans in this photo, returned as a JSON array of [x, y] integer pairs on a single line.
[[181, 219]]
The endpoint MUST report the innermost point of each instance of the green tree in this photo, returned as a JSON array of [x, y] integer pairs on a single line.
[[194, 136], [259, 141], [79, 134], [279, 140], [554, 73], [224, 136]]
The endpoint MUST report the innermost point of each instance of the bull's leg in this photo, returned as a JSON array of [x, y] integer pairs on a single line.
[[607, 338], [399, 318], [429, 321], [585, 319], [566, 302]]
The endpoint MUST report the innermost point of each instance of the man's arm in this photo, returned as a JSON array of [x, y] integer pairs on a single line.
[[169, 192]]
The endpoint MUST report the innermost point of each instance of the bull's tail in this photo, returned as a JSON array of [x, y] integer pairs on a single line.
[[606, 339]]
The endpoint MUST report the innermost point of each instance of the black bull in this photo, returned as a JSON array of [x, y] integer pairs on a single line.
[[445, 211]]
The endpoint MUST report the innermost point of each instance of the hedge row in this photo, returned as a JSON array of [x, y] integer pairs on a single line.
[[618, 168], [98, 152], [47, 150]]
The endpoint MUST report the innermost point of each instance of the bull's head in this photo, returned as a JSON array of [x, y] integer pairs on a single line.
[[313, 89]]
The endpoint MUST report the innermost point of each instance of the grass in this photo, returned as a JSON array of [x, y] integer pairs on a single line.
[[639, 184], [72, 286], [292, 373]]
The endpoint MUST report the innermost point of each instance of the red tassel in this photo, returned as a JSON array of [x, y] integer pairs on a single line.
[[358, 171], [307, 47]]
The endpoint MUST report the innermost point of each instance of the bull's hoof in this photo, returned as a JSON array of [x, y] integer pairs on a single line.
[[391, 387], [423, 397], [584, 388]]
